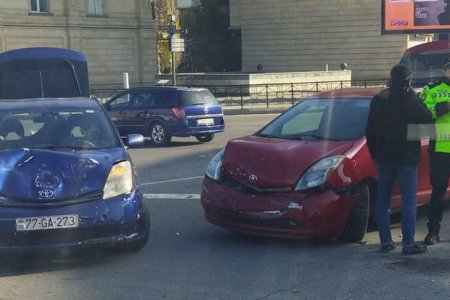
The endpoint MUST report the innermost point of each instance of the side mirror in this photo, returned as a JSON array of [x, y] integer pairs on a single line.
[[134, 140]]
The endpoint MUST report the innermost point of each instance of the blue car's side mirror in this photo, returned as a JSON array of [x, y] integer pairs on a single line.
[[134, 140]]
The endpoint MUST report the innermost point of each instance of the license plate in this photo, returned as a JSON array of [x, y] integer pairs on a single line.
[[209, 121], [44, 223]]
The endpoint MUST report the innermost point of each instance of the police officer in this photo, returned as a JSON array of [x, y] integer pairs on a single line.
[[436, 97]]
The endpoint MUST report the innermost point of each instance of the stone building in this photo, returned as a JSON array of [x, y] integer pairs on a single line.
[[309, 35], [116, 35]]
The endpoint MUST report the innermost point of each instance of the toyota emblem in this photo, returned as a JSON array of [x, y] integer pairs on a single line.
[[46, 193], [253, 178]]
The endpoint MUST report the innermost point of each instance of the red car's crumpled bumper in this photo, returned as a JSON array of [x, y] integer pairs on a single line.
[[314, 214]]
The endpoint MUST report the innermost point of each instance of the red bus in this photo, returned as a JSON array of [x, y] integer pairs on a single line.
[[426, 61]]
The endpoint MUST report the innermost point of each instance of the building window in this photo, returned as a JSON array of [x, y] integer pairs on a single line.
[[96, 8], [39, 6]]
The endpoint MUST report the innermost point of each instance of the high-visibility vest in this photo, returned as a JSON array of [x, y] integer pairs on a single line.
[[431, 94]]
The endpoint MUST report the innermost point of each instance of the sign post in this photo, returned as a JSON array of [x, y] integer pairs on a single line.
[[176, 44]]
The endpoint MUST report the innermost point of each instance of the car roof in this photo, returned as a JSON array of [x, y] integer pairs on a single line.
[[41, 52], [35, 103], [428, 47], [349, 93]]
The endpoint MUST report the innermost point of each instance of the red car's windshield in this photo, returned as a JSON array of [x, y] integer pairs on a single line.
[[343, 119]]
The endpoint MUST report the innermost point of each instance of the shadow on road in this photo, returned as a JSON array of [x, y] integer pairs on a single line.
[[32, 263]]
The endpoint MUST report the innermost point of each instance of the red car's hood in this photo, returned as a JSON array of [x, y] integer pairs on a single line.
[[263, 163]]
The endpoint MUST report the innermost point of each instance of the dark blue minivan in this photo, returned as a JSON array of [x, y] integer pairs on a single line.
[[163, 112]]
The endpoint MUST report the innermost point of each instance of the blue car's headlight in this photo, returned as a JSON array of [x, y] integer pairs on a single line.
[[214, 169], [120, 180], [319, 172]]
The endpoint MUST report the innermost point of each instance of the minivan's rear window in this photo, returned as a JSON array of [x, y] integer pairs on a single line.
[[203, 97]]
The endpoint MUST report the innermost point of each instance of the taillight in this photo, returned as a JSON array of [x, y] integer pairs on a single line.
[[178, 112]]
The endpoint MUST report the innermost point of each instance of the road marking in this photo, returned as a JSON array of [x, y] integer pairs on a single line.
[[171, 180], [172, 196]]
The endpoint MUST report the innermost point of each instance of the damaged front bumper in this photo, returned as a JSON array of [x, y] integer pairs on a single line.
[[111, 222], [312, 214]]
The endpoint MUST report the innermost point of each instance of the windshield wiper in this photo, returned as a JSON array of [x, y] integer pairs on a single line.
[[267, 135], [64, 147], [311, 136], [74, 74]]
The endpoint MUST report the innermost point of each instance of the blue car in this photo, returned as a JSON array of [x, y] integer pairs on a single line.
[[163, 112], [66, 179]]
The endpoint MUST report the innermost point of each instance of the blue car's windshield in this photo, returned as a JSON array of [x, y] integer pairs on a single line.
[[56, 128]]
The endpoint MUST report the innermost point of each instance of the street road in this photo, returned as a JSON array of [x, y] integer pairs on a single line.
[[188, 258]]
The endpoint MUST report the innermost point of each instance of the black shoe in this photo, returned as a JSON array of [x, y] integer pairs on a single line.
[[432, 238], [387, 248], [414, 249]]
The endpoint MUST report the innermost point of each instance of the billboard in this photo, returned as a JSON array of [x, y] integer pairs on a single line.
[[415, 16]]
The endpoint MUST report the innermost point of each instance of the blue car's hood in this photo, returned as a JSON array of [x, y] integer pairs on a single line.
[[45, 175]]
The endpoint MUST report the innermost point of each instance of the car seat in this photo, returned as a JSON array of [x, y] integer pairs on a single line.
[[12, 126], [11, 134], [81, 128]]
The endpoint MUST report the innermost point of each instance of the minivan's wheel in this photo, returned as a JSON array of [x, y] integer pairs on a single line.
[[159, 134], [204, 138], [138, 244], [358, 219]]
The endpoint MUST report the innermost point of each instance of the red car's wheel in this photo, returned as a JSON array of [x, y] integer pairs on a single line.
[[358, 219]]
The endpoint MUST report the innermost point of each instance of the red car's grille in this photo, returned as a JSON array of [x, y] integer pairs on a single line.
[[227, 215], [235, 184]]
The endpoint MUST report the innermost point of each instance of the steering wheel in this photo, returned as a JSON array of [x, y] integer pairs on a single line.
[[87, 144]]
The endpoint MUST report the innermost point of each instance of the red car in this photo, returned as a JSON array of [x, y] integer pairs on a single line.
[[308, 173]]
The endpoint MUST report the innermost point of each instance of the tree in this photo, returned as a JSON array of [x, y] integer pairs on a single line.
[[161, 9]]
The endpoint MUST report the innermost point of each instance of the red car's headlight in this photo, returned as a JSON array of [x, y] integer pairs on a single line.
[[319, 172], [214, 169]]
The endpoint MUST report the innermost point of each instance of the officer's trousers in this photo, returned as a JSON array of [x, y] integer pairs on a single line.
[[439, 176]]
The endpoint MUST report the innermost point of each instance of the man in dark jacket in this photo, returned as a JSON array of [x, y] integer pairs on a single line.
[[391, 113]]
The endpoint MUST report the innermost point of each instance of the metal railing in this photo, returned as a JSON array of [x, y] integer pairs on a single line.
[[265, 94]]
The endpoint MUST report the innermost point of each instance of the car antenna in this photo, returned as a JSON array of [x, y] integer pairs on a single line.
[[42, 86], [74, 73]]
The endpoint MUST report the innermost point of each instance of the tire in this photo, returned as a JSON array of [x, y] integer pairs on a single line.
[[358, 220], [138, 244], [159, 134], [204, 138]]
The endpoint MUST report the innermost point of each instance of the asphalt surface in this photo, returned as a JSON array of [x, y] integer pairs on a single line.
[[188, 258]]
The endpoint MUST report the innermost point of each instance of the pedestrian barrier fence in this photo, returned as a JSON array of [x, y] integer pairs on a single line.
[[245, 96]]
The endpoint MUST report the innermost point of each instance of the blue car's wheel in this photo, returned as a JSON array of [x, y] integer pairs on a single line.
[[159, 133], [204, 138]]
